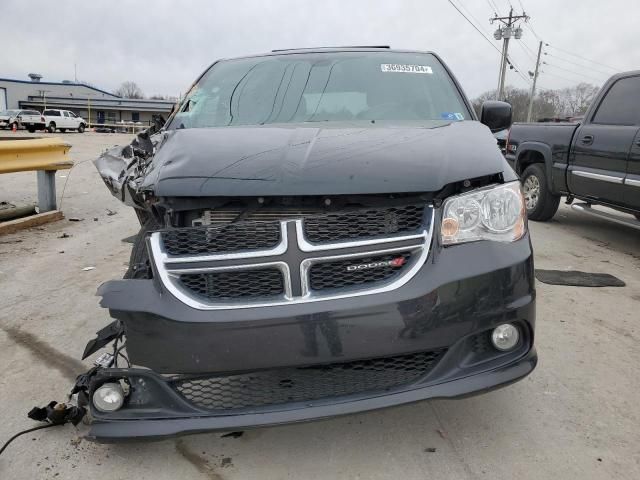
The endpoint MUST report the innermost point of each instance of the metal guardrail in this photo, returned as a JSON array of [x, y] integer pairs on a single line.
[[29, 154], [43, 155]]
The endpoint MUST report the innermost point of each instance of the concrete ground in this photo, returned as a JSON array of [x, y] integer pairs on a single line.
[[575, 417]]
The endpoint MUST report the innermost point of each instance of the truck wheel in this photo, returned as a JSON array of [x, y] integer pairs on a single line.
[[32, 129], [81, 128], [51, 128], [541, 203], [63, 130]]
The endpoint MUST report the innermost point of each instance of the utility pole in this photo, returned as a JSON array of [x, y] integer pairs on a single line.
[[533, 87], [504, 33]]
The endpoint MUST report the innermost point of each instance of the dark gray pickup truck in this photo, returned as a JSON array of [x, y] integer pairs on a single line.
[[596, 161]]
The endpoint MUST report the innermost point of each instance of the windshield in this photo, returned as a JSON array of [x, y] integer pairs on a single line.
[[322, 87], [10, 113]]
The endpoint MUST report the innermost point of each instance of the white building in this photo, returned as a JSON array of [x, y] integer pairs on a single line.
[[105, 107]]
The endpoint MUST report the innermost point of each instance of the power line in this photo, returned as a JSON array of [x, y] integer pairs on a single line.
[[591, 69], [491, 7], [528, 47], [517, 69], [573, 73], [528, 25], [530, 55], [471, 15], [583, 58], [521, 5], [474, 26], [495, 7], [572, 80]]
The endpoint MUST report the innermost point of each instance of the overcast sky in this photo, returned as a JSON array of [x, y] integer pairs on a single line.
[[164, 44]]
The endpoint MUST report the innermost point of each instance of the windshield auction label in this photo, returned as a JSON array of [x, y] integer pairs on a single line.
[[399, 68]]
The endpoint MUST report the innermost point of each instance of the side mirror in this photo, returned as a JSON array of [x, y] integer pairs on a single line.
[[496, 115]]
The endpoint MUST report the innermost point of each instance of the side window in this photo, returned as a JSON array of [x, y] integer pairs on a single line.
[[621, 104], [66, 114], [72, 115]]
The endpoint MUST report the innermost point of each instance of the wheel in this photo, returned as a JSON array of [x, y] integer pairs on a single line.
[[541, 203], [81, 128], [32, 129], [63, 130], [52, 127]]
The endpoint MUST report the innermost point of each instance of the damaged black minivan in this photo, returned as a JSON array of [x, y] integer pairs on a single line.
[[323, 231]]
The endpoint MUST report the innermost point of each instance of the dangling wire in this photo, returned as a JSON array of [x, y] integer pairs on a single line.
[[39, 427]]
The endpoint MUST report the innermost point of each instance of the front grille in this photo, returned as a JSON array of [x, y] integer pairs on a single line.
[[230, 285], [357, 271], [288, 385], [481, 342], [317, 255], [233, 237], [364, 223]]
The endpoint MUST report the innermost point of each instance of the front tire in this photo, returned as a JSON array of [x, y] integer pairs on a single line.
[[51, 128], [541, 203], [81, 128], [31, 129]]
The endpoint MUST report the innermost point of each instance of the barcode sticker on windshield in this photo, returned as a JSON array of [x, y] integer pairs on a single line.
[[395, 67]]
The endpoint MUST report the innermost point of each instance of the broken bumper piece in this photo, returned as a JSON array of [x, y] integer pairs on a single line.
[[156, 409]]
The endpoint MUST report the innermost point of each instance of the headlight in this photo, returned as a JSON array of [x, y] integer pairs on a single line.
[[493, 213]]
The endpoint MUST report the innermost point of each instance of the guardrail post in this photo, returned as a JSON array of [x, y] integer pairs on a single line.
[[46, 190]]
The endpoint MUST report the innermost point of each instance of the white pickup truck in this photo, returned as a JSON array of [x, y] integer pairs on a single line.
[[63, 120], [32, 120]]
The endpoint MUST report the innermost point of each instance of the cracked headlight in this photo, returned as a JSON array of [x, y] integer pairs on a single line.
[[493, 213]]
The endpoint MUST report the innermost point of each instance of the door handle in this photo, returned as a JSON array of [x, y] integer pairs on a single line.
[[587, 139]]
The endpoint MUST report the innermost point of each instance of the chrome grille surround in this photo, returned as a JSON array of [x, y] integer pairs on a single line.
[[294, 256]]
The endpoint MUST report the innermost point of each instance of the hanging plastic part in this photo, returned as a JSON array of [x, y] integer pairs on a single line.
[[103, 337]]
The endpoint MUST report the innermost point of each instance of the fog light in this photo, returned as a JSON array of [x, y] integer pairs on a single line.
[[505, 337], [109, 397]]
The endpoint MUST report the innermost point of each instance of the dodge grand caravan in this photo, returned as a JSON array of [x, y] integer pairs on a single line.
[[323, 231]]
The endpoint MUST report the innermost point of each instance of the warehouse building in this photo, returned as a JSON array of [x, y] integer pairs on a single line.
[[91, 103]]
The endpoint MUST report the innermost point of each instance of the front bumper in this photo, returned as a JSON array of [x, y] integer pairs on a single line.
[[137, 427], [459, 295]]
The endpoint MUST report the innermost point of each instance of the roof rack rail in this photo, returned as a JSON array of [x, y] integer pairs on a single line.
[[321, 48]]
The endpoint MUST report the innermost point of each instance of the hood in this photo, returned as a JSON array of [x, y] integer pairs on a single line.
[[309, 160]]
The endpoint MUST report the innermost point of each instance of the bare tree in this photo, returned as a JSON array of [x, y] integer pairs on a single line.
[[561, 103], [129, 90], [575, 100]]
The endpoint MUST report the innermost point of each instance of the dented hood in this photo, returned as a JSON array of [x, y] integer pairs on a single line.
[[308, 160]]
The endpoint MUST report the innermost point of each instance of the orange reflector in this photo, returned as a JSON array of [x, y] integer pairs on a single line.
[[449, 227]]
